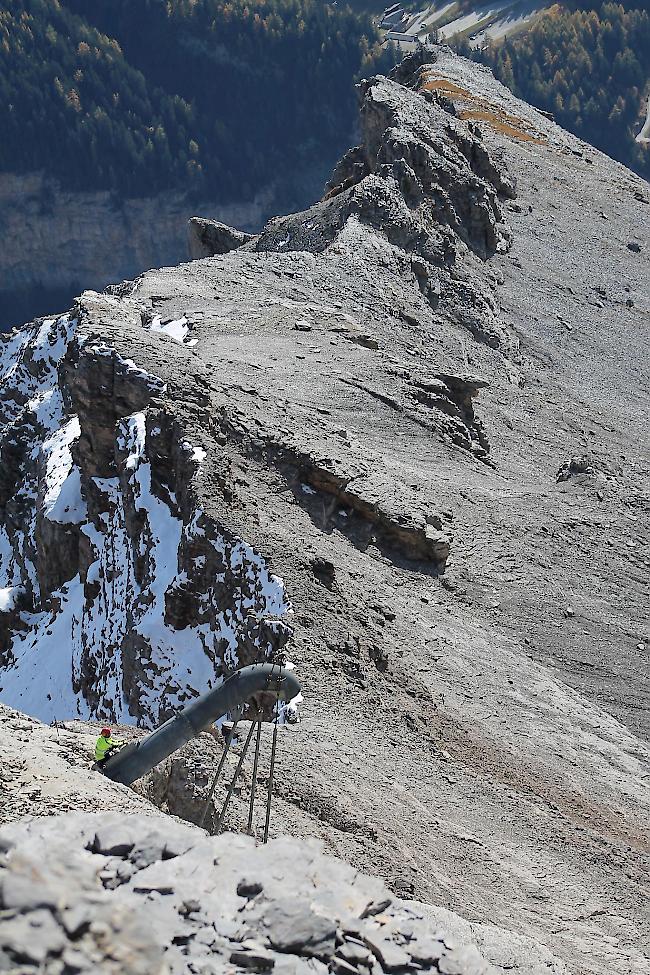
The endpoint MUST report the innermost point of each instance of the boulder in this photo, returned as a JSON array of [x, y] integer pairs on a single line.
[[208, 237]]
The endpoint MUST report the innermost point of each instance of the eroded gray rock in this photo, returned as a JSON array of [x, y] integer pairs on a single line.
[[252, 907], [209, 237], [464, 735]]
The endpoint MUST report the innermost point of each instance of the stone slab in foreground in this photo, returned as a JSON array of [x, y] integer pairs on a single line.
[[140, 896]]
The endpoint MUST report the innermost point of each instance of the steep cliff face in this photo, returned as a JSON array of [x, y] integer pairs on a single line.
[[118, 595], [421, 404], [55, 241]]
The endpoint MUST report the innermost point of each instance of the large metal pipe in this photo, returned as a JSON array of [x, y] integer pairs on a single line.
[[139, 757]]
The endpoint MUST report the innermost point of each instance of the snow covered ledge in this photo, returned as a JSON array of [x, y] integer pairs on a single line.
[[120, 599]]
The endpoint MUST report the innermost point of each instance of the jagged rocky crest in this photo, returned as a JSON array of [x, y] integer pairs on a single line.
[[116, 586], [135, 896], [118, 593], [430, 185], [419, 423]]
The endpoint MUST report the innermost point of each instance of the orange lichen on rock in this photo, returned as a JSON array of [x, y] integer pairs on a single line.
[[506, 124], [485, 111], [441, 84]]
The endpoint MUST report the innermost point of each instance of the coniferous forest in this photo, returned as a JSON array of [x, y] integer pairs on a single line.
[[214, 97], [590, 67], [218, 97]]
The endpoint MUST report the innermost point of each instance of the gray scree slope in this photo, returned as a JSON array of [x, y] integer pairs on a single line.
[[420, 406]]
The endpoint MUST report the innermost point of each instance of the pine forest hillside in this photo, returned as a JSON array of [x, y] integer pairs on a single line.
[[590, 67], [214, 97]]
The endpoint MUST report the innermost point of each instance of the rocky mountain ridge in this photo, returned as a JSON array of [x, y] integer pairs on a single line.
[[130, 894], [408, 425]]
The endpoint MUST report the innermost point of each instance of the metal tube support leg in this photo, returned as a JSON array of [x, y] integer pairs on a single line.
[[222, 762], [231, 787], [251, 805], [270, 785]]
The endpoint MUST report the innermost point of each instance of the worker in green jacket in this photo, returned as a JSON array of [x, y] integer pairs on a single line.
[[105, 745]]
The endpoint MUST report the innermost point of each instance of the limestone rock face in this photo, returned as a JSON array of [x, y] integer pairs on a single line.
[[55, 240], [147, 601], [357, 425], [136, 895]]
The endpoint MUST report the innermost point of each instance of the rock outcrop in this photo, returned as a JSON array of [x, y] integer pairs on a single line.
[[103, 536], [46, 771], [353, 425], [209, 237], [137, 896]]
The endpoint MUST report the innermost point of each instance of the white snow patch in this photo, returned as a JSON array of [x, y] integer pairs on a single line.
[[8, 597], [52, 340], [644, 135], [9, 570], [62, 500], [194, 530], [88, 625], [43, 660], [176, 329], [307, 489], [43, 333], [287, 711], [178, 663], [197, 454], [41, 345], [29, 361], [47, 408], [10, 358], [137, 428]]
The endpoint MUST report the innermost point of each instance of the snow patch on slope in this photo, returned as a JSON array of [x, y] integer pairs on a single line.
[[62, 501], [40, 680], [178, 329], [106, 644], [28, 363], [9, 597], [31, 404]]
